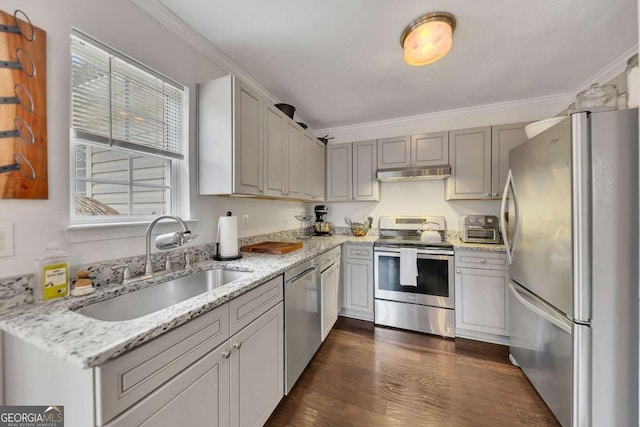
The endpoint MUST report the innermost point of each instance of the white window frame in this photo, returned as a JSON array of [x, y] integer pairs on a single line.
[[178, 204]]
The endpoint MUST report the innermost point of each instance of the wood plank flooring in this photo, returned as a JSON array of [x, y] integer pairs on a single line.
[[373, 376]]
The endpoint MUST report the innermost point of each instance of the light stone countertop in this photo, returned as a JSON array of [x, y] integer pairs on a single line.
[[86, 342], [460, 245]]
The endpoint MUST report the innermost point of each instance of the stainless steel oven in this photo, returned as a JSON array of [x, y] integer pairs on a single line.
[[427, 307]]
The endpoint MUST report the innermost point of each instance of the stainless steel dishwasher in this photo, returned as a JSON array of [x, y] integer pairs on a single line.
[[302, 319]]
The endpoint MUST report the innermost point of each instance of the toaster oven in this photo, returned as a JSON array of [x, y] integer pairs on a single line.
[[480, 229]]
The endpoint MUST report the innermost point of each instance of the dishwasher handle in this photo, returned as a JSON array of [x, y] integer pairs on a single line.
[[301, 275]]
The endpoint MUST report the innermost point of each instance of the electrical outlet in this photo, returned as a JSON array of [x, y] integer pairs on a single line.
[[245, 221], [6, 239]]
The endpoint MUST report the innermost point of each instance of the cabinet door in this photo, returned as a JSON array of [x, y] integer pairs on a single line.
[[200, 392], [274, 152], [482, 301], [294, 160], [339, 172], [365, 185], [329, 299], [359, 285], [257, 369], [430, 149], [394, 152], [248, 140], [310, 164], [319, 170], [503, 139], [470, 158]]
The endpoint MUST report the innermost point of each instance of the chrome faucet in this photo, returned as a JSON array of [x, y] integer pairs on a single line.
[[167, 240]]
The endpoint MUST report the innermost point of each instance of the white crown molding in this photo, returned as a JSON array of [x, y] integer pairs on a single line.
[[564, 98], [609, 72], [176, 25]]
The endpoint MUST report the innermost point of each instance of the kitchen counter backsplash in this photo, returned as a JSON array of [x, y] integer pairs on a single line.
[[17, 290]]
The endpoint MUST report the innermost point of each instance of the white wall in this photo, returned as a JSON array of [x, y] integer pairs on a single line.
[[123, 26]]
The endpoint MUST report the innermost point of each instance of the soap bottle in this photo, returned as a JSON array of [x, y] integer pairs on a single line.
[[52, 275]]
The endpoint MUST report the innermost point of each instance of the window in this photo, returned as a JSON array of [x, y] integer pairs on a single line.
[[127, 136]]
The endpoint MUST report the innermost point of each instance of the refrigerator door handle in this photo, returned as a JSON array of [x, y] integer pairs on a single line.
[[511, 247], [561, 323]]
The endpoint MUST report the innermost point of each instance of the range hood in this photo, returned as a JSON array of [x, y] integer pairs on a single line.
[[412, 174]]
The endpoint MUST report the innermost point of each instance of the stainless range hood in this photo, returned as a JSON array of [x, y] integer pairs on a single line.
[[412, 174]]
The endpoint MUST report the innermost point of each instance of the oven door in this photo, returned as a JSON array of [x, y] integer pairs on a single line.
[[434, 283]]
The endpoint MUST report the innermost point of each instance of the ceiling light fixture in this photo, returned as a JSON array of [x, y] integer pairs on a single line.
[[428, 38]]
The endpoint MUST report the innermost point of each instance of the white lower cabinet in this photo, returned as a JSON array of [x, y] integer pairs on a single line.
[[257, 369], [223, 368], [482, 296], [358, 282], [329, 296], [197, 396]]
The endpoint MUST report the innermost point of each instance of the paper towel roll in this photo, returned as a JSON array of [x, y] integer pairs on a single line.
[[228, 236]]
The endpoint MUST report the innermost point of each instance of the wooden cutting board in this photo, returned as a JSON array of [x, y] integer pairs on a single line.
[[274, 248]]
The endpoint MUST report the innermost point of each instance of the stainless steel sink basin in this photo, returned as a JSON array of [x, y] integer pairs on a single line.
[[156, 297]]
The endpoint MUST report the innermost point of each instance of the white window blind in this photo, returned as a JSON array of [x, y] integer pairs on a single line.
[[120, 103]]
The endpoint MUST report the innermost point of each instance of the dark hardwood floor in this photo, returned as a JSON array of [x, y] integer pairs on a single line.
[[372, 376]]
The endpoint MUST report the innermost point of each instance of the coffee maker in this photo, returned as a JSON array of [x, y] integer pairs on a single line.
[[321, 227]]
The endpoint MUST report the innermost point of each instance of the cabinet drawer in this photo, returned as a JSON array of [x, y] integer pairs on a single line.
[[125, 380], [248, 307], [359, 251], [326, 259], [486, 260]]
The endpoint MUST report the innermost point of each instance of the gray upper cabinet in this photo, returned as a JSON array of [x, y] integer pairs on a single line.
[[470, 157], [394, 152], [247, 146], [430, 149], [503, 139], [274, 152], [314, 168], [479, 160], [427, 149], [293, 160], [351, 172], [339, 172]]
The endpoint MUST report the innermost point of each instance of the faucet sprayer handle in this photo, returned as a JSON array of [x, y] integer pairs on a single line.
[[126, 273], [188, 237]]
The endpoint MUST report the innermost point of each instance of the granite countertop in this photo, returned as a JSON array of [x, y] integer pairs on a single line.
[[86, 342], [460, 245]]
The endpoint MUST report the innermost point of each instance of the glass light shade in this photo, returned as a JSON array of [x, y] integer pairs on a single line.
[[428, 42]]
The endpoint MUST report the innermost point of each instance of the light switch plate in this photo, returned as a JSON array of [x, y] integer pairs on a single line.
[[6, 239], [245, 221]]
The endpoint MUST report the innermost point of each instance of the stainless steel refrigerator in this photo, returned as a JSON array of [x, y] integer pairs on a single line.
[[572, 240]]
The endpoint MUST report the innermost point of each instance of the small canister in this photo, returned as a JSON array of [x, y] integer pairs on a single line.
[[633, 82]]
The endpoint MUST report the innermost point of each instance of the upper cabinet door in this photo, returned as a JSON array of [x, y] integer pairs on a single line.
[[430, 149], [314, 168], [248, 141], [339, 172], [470, 158], [294, 160], [274, 152], [504, 138], [394, 152], [365, 186], [319, 170]]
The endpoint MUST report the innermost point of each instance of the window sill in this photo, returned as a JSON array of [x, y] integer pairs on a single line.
[[78, 233]]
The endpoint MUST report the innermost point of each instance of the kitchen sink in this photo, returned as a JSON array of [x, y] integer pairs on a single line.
[[156, 297]]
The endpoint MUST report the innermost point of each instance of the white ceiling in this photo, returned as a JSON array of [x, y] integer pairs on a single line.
[[340, 61]]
